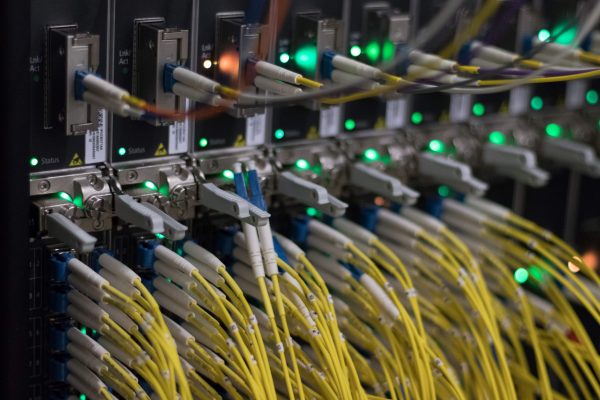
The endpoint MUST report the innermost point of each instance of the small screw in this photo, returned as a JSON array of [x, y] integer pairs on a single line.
[[43, 186], [98, 224], [92, 179], [132, 176]]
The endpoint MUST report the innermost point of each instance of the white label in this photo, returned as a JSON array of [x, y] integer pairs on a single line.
[[576, 94], [460, 107], [95, 141], [329, 121], [255, 130], [518, 103], [179, 133], [395, 113]]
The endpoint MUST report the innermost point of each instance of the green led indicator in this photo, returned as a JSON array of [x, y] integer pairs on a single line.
[[564, 35], [543, 35], [78, 201], [227, 174], [83, 330], [151, 185], [553, 130], [82, 397], [302, 164], [437, 146], [372, 51], [416, 118], [521, 275], [284, 58], [160, 236], [350, 124], [311, 212], [355, 51], [371, 154], [591, 96], [478, 109], [33, 161], [65, 196], [122, 151], [497, 137], [203, 142], [536, 103], [279, 134], [389, 50], [306, 58], [443, 191]]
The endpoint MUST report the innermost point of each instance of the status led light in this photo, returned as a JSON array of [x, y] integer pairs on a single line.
[[564, 35], [203, 142], [78, 201], [302, 164], [389, 50], [311, 212], [591, 96], [373, 50], [207, 64], [279, 134], [150, 185], [371, 154], [416, 118], [543, 35], [306, 58], [227, 174], [350, 124], [82, 397], [160, 236], [553, 130], [521, 275], [536, 103], [443, 191], [355, 51], [33, 161], [497, 137], [437, 146], [284, 58], [65, 196], [478, 109], [122, 151], [83, 330]]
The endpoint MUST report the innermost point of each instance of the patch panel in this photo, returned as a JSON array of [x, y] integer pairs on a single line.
[[219, 191]]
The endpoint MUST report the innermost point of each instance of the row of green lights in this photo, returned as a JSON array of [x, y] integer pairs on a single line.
[[497, 137], [553, 130]]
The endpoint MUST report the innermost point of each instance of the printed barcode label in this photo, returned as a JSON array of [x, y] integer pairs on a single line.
[[255, 130], [95, 141], [329, 121]]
